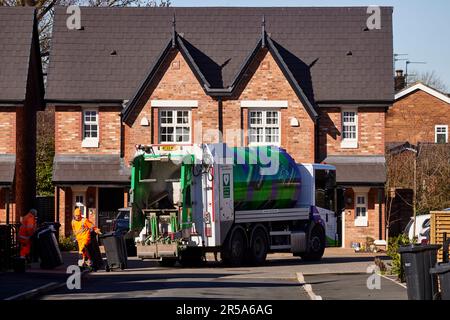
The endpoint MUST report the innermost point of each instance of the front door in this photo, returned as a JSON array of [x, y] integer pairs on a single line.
[[109, 201]]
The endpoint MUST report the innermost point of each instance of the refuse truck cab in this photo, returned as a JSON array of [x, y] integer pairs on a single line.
[[241, 202]]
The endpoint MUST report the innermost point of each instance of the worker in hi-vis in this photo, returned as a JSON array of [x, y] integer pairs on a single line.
[[26, 231], [82, 229]]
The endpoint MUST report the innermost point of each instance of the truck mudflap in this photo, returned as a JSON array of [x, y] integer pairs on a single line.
[[157, 250]]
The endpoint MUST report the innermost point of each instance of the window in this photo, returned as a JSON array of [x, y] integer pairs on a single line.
[[90, 129], [349, 129], [361, 210], [174, 126], [264, 127], [79, 202], [441, 134]]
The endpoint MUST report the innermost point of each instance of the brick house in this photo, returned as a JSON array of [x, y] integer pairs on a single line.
[[21, 96], [314, 81], [420, 114]]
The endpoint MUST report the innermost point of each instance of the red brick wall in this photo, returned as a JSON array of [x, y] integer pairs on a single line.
[[359, 234], [69, 130], [175, 81], [8, 130], [371, 138], [413, 118], [266, 81], [65, 210]]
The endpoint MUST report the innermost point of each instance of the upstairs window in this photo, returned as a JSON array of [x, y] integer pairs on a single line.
[[174, 126], [264, 127], [349, 129], [90, 129], [441, 134]]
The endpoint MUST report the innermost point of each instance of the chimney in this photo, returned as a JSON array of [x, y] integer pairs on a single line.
[[400, 81]]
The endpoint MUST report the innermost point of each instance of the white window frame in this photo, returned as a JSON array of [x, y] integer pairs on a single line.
[[175, 125], [349, 143], [89, 142], [362, 221], [264, 125], [81, 205], [440, 126]]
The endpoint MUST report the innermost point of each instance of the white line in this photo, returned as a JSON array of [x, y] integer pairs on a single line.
[[400, 284], [33, 292], [307, 287]]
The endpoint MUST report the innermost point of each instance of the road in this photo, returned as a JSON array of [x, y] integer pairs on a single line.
[[340, 275]]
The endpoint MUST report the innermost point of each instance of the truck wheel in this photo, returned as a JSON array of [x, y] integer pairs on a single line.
[[316, 245], [234, 255], [258, 247]]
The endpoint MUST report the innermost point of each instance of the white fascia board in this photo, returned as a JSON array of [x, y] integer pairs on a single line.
[[424, 88], [264, 104], [174, 103]]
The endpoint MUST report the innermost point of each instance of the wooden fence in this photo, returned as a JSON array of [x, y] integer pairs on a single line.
[[440, 223]]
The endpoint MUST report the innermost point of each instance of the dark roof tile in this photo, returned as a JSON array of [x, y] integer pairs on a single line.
[[221, 34]]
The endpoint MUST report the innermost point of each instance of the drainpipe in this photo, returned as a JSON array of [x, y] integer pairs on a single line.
[[220, 110], [380, 212]]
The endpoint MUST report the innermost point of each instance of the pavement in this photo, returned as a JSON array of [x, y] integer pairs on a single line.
[[341, 275], [35, 281]]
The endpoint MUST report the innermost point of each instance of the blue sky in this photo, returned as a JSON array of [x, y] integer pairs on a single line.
[[421, 28]]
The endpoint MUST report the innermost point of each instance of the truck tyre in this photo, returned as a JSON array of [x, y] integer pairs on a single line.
[[258, 247], [316, 245], [234, 254]]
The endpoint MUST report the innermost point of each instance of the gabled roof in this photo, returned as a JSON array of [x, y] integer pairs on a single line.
[[16, 35], [421, 86], [327, 50], [180, 44]]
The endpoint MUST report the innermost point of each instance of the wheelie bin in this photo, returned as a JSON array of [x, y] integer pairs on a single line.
[[417, 261], [93, 250], [442, 271], [116, 251], [48, 247]]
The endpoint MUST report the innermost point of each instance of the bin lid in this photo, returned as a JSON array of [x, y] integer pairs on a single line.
[[440, 268], [418, 248]]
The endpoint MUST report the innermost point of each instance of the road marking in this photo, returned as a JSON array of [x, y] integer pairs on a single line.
[[307, 287], [34, 292], [400, 284]]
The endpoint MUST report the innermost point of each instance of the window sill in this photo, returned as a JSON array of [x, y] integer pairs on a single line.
[[349, 144], [362, 223], [89, 143]]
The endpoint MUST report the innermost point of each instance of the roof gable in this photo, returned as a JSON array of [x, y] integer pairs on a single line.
[[422, 87], [16, 36], [186, 50]]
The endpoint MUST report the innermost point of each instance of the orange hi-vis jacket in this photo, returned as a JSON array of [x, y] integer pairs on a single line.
[[26, 231], [82, 230]]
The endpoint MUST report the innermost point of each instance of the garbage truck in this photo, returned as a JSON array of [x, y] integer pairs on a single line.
[[241, 202]]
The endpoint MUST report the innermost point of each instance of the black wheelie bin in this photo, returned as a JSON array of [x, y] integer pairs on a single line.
[[116, 251], [48, 247], [93, 250], [417, 261]]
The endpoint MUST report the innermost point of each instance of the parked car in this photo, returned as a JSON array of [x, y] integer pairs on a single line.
[[422, 232]]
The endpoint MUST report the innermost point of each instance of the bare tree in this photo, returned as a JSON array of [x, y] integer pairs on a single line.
[[430, 78], [432, 165]]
